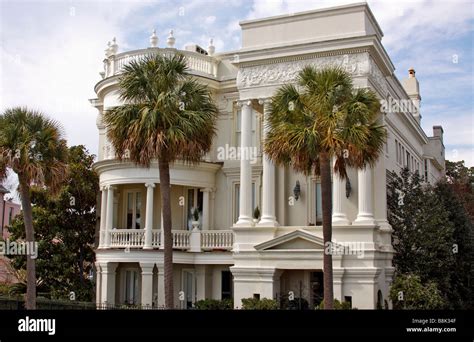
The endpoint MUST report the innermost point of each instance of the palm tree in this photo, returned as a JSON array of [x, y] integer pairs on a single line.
[[32, 145], [320, 119], [167, 116]]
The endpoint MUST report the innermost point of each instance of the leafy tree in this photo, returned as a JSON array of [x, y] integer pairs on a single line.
[[65, 228], [324, 118], [422, 232], [461, 294], [461, 179], [167, 116], [409, 293], [31, 145]]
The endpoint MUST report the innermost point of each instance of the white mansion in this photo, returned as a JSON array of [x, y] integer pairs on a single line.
[[229, 254]]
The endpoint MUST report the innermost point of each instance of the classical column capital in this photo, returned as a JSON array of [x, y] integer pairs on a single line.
[[240, 103], [207, 189], [149, 184], [147, 267], [265, 101], [111, 187]]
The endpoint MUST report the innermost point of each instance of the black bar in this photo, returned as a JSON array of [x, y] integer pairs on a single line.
[[122, 323]]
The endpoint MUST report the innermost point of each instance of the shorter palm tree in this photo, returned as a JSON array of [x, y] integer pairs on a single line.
[[32, 145], [325, 118]]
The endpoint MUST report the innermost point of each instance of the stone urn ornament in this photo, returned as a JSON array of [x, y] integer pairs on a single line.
[[195, 222]]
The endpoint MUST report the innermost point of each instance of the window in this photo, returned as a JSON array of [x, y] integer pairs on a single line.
[[426, 170], [131, 287], [319, 207], [10, 215], [134, 208], [396, 151], [226, 285], [238, 129], [237, 200]]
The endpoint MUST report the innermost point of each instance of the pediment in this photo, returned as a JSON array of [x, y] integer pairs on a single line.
[[298, 239]]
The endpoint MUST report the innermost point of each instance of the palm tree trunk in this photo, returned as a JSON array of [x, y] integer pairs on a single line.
[[326, 201], [164, 167], [30, 240]]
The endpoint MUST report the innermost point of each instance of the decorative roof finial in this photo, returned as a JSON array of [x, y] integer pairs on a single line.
[[107, 50], [211, 48], [171, 39], [153, 39], [113, 47]]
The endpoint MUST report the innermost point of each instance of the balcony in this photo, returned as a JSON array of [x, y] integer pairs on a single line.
[[191, 241], [199, 64]]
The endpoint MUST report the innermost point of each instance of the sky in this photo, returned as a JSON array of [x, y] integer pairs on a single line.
[[51, 52]]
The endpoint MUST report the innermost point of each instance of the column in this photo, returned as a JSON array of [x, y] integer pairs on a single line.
[[268, 218], [98, 283], [108, 282], [206, 194], [366, 212], [245, 200], [149, 215], [338, 274], [161, 285], [103, 215], [109, 217], [339, 217], [147, 284]]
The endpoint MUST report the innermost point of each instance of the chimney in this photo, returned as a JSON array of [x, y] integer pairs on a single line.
[[412, 87], [438, 132]]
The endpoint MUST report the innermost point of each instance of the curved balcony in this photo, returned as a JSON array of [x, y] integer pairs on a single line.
[[198, 64]]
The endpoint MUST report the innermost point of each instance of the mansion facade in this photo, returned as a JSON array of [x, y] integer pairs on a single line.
[[228, 253]]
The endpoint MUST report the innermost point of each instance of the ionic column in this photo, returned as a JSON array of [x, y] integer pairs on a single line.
[[245, 201], [366, 211], [206, 192], [103, 216], [109, 217], [149, 215], [147, 284], [268, 218], [338, 193]]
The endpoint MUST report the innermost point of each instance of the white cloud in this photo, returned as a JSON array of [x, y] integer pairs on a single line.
[[210, 20]]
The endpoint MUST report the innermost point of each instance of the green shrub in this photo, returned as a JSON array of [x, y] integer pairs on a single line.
[[4, 288], [337, 305], [408, 293], [259, 304], [214, 304]]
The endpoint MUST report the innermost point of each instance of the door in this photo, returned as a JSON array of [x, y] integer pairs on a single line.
[[131, 287], [133, 210], [189, 289]]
